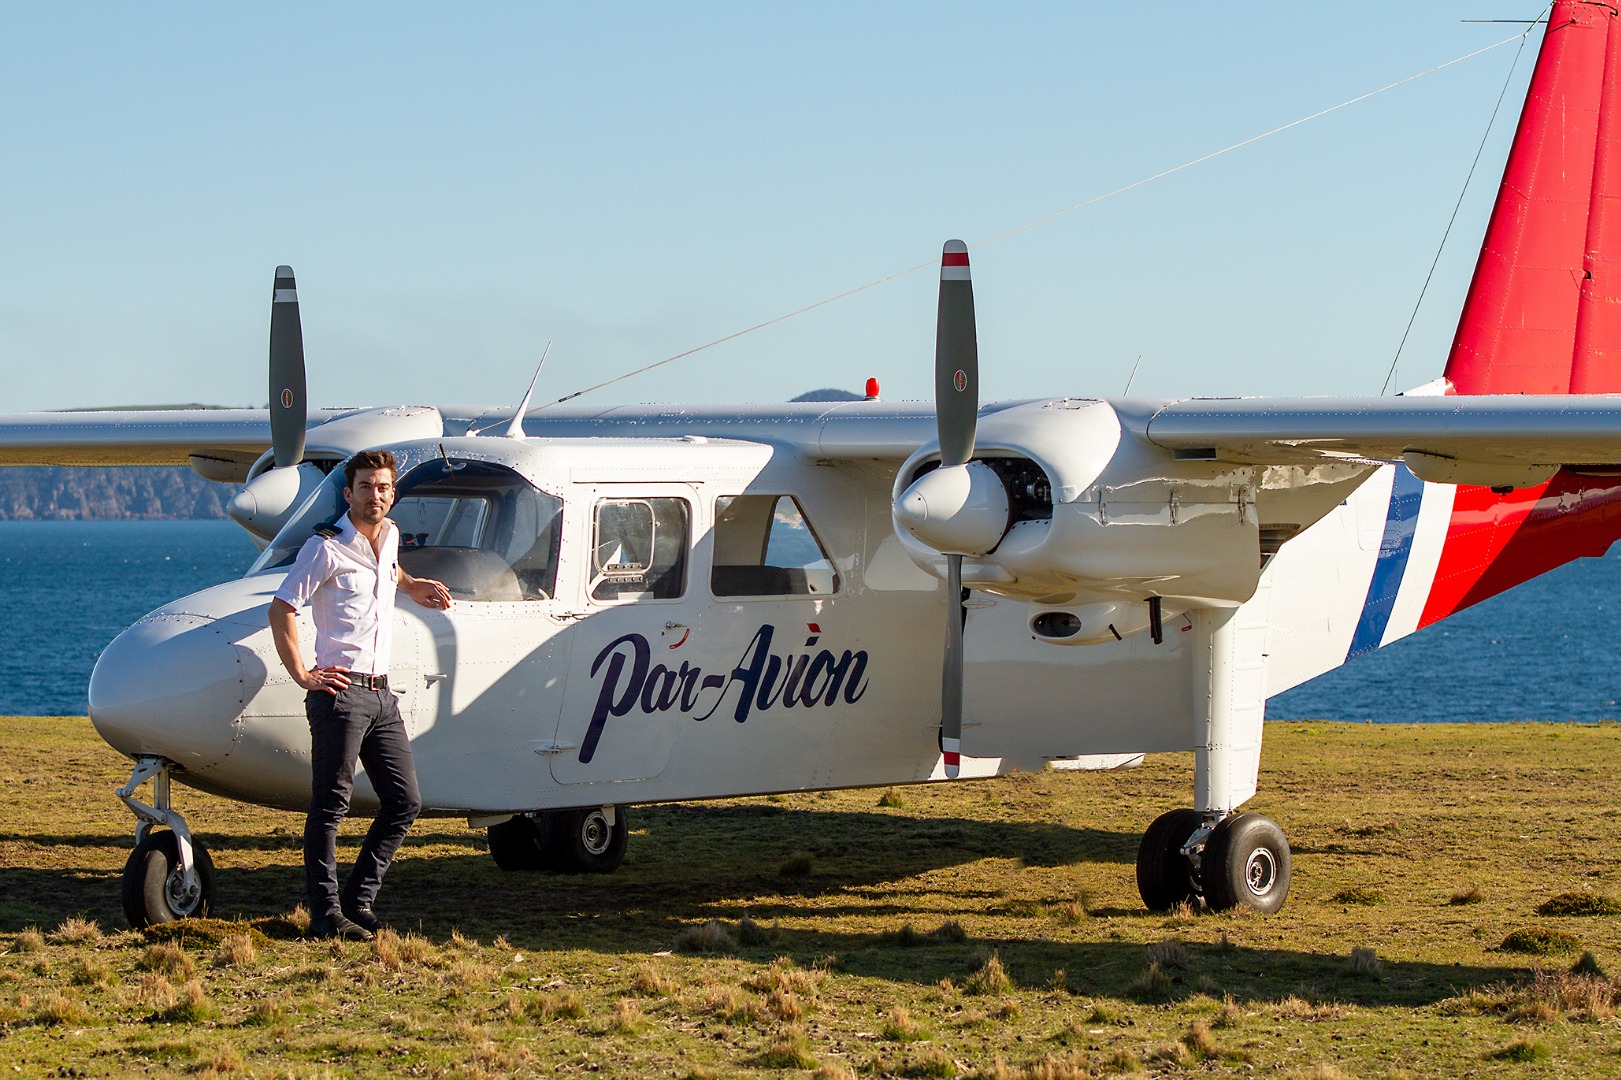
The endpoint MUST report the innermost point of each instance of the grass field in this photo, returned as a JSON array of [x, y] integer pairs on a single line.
[[1454, 912]]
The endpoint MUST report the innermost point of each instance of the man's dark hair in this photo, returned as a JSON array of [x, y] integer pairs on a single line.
[[369, 459]]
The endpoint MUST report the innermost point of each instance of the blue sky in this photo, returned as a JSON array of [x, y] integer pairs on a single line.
[[456, 185]]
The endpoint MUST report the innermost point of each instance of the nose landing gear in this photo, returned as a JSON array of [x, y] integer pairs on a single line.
[[585, 841], [169, 875]]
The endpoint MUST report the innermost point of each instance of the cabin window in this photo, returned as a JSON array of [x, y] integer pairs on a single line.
[[765, 547], [639, 549], [482, 529]]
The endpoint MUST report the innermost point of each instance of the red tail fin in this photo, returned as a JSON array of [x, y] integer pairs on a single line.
[[1543, 315]]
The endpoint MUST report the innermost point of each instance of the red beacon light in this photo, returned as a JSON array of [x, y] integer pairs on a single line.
[[872, 389]]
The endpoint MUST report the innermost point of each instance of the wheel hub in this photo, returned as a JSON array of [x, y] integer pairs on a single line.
[[1260, 871], [595, 833], [181, 894]]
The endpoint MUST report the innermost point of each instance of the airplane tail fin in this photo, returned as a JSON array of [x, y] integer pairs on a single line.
[[1543, 312]]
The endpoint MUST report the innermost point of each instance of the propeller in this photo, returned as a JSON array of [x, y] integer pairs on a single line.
[[956, 397], [288, 403]]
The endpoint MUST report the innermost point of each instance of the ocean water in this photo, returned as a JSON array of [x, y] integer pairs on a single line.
[[1544, 651]]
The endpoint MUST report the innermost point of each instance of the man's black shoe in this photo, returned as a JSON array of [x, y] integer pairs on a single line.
[[364, 918], [336, 926]]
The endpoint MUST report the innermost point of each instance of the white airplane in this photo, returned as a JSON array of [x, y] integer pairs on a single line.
[[673, 603]]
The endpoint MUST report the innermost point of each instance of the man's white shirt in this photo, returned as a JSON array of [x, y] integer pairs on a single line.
[[350, 591]]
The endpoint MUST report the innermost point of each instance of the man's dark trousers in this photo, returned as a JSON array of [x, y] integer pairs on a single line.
[[365, 725]]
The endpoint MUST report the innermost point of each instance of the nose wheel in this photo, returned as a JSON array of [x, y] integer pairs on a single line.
[[169, 875]]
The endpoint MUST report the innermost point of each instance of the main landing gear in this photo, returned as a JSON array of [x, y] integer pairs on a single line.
[[1240, 859], [169, 875], [586, 841]]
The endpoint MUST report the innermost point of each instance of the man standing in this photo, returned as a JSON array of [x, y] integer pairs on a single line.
[[348, 573]]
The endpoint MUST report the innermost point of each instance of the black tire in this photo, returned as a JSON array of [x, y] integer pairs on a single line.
[[1166, 877], [519, 843], [152, 881], [588, 844], [563, 841], [1246, 861]]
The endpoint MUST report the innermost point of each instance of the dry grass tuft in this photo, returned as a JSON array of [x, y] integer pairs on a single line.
[[731, 1004], [900, 1026], [833, 1070], [57, 1008], [890, 799], [1365, 962], [783, 976], [1522, 1051], [1469, 894], [1152, 984], [1578, 904], [796, 866], [90, 972], [709, 937], [752, 934], [28, 942], [238, 950], [167, 958], [789, 1049], [1295, 1007], [385, 949], [267, 1012], [1170, 955], [1201, 1043], [649, 981], [547, 1006], [989, 978], [418, 951], [77, 931], [627, 1016], [1359, 894], [192, 1006]]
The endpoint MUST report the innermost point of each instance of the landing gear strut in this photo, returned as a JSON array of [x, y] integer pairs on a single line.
[[169, 875], [585, 841], [1240, 859]]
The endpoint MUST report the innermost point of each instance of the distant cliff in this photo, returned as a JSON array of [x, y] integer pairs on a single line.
[[82, 493]]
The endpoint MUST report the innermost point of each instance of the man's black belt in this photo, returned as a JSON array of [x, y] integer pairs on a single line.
[[367, 682]]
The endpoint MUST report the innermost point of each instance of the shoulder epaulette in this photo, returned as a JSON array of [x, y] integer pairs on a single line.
[[328, 530]]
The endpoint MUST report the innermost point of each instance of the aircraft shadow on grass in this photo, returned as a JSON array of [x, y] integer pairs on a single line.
[[690, 863]]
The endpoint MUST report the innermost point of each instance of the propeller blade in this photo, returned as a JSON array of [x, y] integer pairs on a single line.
[[956, 358], [288, 404], [951, 674]]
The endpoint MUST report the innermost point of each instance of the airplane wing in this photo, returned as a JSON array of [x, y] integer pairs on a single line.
[[1495, 430], [136, 436]]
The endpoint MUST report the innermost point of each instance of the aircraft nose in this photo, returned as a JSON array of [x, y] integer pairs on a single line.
[[173, 685]]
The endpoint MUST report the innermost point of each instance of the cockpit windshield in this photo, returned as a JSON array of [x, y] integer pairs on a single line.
[[479, 527]]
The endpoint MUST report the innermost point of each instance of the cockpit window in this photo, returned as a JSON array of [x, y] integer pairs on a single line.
[[482, 529], [765, 547]]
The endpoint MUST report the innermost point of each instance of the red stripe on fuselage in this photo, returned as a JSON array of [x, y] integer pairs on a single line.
[[954, 258]]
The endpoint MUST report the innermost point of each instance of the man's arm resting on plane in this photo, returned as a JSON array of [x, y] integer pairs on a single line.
[[425, 591]]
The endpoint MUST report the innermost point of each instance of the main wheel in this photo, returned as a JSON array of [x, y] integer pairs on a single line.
[[567, 841], [1165, 876], [1246, 861], [588, 843], [520, 843], [155, 888]]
